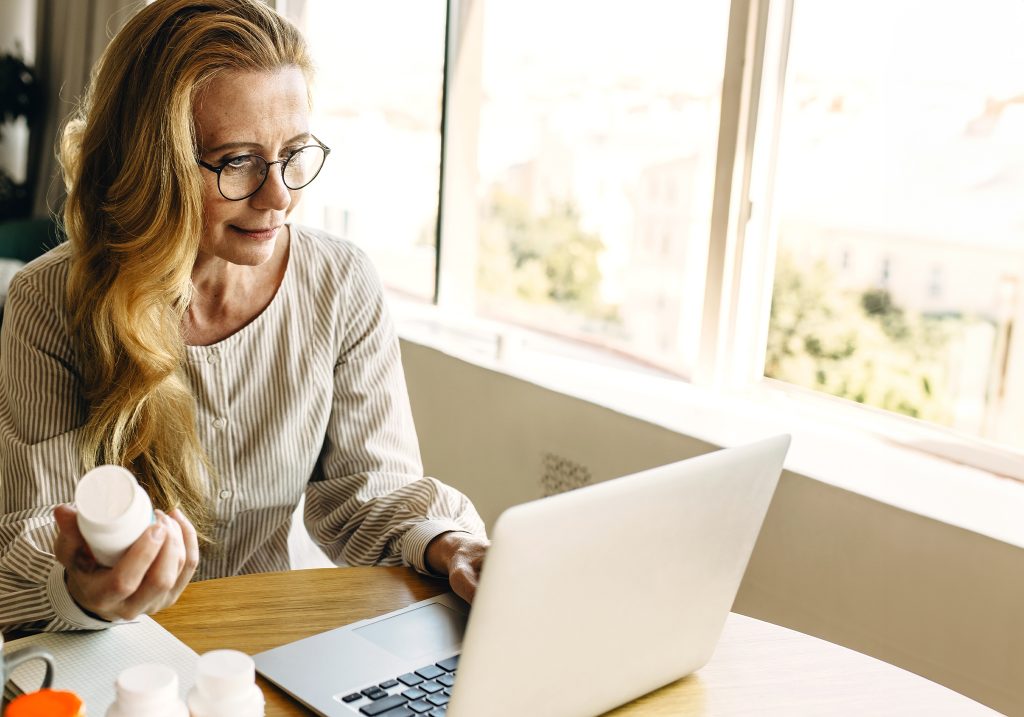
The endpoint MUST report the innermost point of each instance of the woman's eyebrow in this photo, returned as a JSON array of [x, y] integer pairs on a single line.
[[241, 145]]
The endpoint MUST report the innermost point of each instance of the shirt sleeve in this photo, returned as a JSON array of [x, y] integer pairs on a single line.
[[368, 502], [40, 412]]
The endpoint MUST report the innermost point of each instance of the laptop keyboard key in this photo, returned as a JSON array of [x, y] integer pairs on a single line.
[[352, 697], [414, 693], [420, 706], [383, 705], [402, 711], [437, 712], [387, 685], [430, 672], [450, 664], [446, 680], [409, 679], [375, 693], [431, 687], [438, 700]]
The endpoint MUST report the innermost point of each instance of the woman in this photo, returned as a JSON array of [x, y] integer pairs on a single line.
[[232, 361]]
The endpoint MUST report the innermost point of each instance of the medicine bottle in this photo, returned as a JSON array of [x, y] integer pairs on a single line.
[[147, 690], [46, 703], [113, 511], [225, 686]]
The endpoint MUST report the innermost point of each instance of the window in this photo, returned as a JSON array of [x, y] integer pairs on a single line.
[[596, 153], [818, 196], [380, 74], [909, 157]]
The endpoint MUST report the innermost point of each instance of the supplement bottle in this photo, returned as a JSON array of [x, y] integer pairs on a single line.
[[148, 690], [225, 686], [113, 511]]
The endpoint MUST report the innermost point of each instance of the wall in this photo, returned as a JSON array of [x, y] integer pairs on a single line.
[[931, 598]]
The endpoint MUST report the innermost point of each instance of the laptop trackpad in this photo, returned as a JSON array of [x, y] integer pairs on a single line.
[[427, 630]]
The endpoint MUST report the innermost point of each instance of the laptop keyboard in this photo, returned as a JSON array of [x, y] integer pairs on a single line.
[[421, 693]]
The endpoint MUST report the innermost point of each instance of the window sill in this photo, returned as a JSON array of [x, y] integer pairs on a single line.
[[834, 452]]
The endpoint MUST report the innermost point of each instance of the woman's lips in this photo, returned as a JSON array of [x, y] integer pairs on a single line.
[[257, 233]]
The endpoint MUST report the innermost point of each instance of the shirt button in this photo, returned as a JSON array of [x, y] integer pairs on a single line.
[[213, 357], [220, 422], [225, 494]]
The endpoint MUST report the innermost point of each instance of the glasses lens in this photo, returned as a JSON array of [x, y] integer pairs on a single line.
[[303, 166], [242, 176]]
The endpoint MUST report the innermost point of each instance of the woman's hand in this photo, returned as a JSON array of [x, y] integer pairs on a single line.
[[148, 578], [460, 556]]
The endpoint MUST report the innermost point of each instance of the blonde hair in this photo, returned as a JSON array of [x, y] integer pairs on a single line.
[[134, 220]]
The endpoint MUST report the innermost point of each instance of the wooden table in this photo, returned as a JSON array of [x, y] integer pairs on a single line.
[[758, 669]]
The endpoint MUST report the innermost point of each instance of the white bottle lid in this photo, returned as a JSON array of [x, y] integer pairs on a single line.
[[147, 690], [225, 686], [113, 511]]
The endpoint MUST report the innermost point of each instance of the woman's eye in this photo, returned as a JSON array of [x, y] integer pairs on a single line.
[[240, 162]]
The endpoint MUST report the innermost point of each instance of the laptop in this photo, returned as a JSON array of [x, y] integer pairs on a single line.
[[587, 600]]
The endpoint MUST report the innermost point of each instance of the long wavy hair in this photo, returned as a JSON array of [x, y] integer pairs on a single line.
[[134, 220]]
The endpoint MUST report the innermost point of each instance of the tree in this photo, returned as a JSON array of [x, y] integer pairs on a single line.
[[857, 345], [540, 259]]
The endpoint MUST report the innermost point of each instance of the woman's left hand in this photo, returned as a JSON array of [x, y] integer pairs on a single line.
[[460, 556]]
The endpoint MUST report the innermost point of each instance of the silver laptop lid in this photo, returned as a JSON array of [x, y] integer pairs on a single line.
[[594, 597]]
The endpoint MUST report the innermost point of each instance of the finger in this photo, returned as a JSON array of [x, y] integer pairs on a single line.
[[69, 538], [124, 579], [160, 579], [70, 547], [191, 541], [174, 535], [463, 583]]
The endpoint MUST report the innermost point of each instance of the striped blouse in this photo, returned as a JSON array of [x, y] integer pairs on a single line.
[[308, 399]]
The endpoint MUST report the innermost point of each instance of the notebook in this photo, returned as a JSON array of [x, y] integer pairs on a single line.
[[88, 663], [587, 600]]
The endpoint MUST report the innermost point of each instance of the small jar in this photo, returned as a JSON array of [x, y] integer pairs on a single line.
[[225, 686], [113, 511], [46, 703], [147, 690]]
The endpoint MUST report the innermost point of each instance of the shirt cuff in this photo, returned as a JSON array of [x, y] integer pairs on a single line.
[[66, 607], [414, 544]]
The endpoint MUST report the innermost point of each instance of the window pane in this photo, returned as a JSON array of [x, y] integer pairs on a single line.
[[377, 105], [597, 143], [898, 212]]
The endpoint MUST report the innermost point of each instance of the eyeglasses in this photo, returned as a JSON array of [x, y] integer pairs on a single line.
[[242, 176]]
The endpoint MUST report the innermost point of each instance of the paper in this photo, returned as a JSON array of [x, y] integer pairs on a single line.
[[88, 663]]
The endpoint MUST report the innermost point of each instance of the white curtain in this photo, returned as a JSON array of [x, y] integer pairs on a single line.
[[70, 36]]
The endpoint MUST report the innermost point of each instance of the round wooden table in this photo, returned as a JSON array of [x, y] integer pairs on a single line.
[[758, 668]]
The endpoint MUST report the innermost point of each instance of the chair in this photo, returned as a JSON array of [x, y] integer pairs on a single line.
[[25, 239]]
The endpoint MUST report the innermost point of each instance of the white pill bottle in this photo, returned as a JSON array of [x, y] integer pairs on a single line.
[[113, 511], [148, 690], [225, 686]]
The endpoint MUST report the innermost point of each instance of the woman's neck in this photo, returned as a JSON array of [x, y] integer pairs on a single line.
[[227, 297]]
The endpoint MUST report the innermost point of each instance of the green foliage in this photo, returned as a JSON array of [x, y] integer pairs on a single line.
[[857, 345], [544, 259]]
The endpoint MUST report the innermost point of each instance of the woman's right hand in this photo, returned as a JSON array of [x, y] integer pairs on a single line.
[[148, 578]]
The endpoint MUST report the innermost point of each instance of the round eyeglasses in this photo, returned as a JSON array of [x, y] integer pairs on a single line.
[[242, 176]]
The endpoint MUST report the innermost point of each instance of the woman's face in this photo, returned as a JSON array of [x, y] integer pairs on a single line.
[[259, 113]]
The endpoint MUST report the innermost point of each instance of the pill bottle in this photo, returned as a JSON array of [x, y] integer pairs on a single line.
[[46, 703], [113, 511], [225, 686], [147, 690]]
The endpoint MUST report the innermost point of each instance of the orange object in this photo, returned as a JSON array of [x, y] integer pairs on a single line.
[[46, 703]]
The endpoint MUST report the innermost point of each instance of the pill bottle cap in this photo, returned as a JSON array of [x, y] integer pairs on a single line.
[[225, 673], [226, 686], [46, 703], [105, 496], [144, 686]]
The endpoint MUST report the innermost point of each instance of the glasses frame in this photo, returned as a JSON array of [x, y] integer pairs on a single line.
[[217, 169]]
